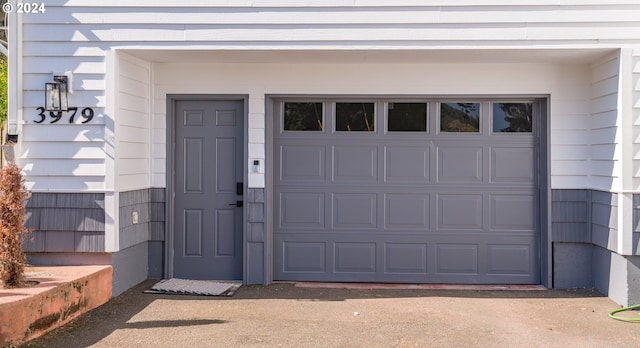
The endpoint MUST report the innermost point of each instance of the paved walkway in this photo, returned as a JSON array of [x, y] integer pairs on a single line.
[[281, 315]]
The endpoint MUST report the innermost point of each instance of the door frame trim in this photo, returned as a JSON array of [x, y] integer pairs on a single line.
[[171, 100]]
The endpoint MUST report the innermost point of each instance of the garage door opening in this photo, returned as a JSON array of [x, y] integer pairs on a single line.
[[407, 190]]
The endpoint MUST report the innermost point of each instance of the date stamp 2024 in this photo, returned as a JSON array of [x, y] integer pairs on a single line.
[[24, 7]]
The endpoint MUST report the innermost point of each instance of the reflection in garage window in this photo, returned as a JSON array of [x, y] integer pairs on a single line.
[[512, 117], [355, 117], [460, 117], [407, 117], [303, 116]]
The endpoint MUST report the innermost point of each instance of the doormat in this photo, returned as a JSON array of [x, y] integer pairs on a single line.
[[195, 287]]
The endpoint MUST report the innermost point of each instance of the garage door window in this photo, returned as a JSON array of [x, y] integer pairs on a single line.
[[303, 117], [355, 117], [512, 117], [460, 117], [407, 117]]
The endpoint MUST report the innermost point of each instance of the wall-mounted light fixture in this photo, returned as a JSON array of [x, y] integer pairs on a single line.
[[56, 98]]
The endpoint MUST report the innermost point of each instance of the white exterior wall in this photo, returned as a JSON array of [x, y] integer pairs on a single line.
[[76, 36], [123, 147], [567, 85]]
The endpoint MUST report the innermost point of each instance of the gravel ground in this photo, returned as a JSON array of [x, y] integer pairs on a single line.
[[281, 315]]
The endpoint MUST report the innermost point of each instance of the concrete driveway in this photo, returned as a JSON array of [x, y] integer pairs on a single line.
[[282, 315]]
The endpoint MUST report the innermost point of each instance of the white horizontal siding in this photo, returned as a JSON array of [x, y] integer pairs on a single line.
[[604, 120], [570, 123], [158, 144], [604, 136], [564, 153], [81, 99], [65, 183], [132, 135], [58, 49], [45, 65], [76, 134], [133, 167], [333, 23], [568, 137], [574, 168], [338, 35], [73, 155], [635, 109], [133, 105], [62, 150], [64, 167], [133, 123], [62, 157], [309, 16], [87, 82]]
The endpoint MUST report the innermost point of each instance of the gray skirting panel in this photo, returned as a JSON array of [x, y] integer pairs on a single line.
[[65, 222], [74, 222], [584, 216], [636, 224], [148, 206], [256, 236], [584, 226]]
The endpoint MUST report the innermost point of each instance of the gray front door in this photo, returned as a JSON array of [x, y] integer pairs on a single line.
[[208, 184]]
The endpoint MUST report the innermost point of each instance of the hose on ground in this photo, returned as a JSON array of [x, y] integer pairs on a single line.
[[633, 320]]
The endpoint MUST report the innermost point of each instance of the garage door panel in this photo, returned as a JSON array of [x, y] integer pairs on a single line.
[[354, 211], [356, 164], [456, 259], [407, 211], [512, 164], [404, 164], [505, 259], [459, 164], [304, 257], [513, 212], [302, 163], [355, 258], [459, 212], [405, 258], [302, 210]]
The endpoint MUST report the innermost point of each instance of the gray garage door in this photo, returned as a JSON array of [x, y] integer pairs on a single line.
[[406, 191]]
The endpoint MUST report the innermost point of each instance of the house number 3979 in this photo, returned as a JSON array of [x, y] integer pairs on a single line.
[[86, 114]]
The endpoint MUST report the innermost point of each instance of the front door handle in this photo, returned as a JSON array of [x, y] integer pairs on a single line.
[[237, 204]]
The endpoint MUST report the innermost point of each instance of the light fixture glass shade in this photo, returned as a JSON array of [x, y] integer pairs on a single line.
[[56, 94], [64, 100], [52, 100]]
